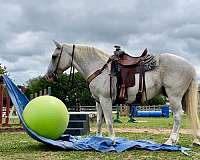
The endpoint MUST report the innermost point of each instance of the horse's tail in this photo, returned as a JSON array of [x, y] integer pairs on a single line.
[[191, 102]]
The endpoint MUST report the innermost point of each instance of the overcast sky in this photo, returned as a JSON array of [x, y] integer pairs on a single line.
[[27, 29]]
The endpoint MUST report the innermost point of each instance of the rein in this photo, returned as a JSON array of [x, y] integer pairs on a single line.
[[71, 75], [55, 72]]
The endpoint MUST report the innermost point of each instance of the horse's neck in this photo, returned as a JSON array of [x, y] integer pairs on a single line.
[[88, 60]]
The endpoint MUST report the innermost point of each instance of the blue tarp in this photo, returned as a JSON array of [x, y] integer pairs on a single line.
[[69, 142]]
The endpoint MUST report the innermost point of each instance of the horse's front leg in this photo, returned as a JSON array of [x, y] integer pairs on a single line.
[[106, 105], [99, 119]]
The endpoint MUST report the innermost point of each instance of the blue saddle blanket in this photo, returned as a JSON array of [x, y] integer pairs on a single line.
[[68, 142]]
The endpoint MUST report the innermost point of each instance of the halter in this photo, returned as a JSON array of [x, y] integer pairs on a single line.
[[71, 66]]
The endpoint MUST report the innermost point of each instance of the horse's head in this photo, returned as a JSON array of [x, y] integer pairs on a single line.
[[60, 61]]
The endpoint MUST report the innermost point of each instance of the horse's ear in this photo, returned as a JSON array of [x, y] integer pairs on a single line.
[[58, 45]]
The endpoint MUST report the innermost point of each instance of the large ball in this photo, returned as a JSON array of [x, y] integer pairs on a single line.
[[47, 116]]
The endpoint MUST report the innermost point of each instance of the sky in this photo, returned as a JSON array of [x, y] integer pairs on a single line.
[[27, 29]]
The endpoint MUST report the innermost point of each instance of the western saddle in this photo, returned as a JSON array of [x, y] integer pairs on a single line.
[[128, 60], [125, 67]]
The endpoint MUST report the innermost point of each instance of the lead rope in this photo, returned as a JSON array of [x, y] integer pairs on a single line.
[[72, 80], [72, 69]]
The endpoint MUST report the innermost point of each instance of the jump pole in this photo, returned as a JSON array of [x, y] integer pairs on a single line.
[[163, 112]]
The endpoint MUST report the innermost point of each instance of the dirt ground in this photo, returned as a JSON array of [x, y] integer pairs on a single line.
[[145, 130], [120, 130], [10, 129]]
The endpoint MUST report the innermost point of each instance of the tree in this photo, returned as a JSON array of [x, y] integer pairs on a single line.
[[2, 69], [157, 100]]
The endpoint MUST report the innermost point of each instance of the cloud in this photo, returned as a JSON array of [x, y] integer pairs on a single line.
[[27, 29]]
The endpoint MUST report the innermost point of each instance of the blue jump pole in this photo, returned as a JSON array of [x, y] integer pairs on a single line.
[[149, 114], [164, 112]]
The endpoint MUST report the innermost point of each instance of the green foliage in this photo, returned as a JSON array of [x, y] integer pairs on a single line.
[[158, 100], [62, 90], [2, 69]]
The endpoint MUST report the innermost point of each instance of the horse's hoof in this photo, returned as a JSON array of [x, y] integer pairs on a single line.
[[173, 140], [99, 135], [168, 142], [113, 142], [196, 143]]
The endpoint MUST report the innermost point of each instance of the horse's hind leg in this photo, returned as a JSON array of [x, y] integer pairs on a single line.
[[196, 141], [99, 119], [106, 105], [176, 106]]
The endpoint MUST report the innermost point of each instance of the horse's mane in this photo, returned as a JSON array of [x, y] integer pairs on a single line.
[[92, 51]]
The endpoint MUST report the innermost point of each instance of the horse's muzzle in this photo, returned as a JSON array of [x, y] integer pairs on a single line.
[[51, 77]]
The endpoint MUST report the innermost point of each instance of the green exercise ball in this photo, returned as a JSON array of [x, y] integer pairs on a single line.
[[47, 116]]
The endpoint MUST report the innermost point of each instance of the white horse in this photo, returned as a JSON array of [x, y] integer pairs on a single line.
[[174, 75]]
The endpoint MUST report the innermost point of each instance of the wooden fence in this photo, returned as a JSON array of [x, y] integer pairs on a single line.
[[41, 93]]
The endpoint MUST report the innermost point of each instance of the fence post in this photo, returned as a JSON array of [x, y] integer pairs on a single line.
[[23, 89], [40, 93], [1, 104], [198, 98], [31, 96], [45, 91], [36, 94], [7, 109], [117, 119], [49, 91]]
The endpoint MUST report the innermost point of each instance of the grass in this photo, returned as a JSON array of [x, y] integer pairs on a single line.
[[152, 122], [20, 146]]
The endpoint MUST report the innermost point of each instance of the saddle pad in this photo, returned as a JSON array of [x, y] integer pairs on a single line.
[[151, 62]]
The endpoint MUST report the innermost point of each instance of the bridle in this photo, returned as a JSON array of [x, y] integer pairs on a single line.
[[72, 69], [71, 66], [56, 70], [71, 76]]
